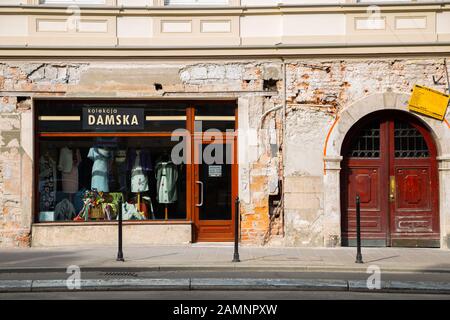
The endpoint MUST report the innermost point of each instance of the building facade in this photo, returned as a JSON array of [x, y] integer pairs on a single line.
[[294, 108]]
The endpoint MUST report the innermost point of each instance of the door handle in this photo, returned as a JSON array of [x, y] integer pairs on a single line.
[[201, 193], [392, 188]]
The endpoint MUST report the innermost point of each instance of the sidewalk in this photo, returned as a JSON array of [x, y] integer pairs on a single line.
[[210, 257]]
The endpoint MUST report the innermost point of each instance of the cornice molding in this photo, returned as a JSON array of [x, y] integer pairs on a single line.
[[229, 10]]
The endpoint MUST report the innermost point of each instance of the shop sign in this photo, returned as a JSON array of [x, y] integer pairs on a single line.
[[429, 102], [113, 119]]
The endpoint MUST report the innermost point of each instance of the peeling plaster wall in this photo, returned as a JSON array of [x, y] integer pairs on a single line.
[[15, 178], [317, 91], [244, 81]]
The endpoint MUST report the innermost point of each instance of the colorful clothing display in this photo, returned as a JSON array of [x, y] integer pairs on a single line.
[[112, 204], [101, 158], [139, 178], [47, 183], [69, 178], [166, 182], [145, 206], [64, 210], [98, 186], [93, 201], [65, 162], [130, 212]]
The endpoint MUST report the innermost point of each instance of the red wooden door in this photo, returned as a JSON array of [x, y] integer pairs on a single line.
[[391, 163], [364, 173], [215, 189], [414, 190]]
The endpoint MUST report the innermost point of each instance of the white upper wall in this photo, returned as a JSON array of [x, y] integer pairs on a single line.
[[73, 1], [134, 27], [314, 24], [13, 26], [293, 25], [443, 23], [194, 2], [276, 2], [13, 1], [258, 26], [135, 3]]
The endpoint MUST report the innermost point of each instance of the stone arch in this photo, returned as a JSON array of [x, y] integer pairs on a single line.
[[348, 117]]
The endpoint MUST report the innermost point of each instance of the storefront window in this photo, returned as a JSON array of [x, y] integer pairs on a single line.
[[95, 159], [90, 179]]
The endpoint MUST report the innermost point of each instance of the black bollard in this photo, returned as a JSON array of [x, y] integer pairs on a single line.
[[236, 232], [119, 250], [358, 230]]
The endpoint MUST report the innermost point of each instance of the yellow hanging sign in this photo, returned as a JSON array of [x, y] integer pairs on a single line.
[[429, 102]]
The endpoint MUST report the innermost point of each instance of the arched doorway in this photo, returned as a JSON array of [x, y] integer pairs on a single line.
[[389, 159]]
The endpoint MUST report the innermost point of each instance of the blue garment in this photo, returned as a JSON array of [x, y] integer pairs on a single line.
[[145, 160], [166, 182], [101, 158]]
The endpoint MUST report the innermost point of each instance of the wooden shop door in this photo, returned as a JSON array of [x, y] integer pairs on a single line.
[[390, 161], [215, 185]]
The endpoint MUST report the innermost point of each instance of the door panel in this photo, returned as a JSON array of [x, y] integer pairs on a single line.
[[414, 214], [395, 173], [216, 177], [364, 175], [214, 173], [413, 192], [413, 207], [365, 181]]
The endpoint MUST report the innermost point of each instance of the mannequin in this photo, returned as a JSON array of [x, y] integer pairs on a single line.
[[140, 163], [166, 182], [68, 165], [101, 157]]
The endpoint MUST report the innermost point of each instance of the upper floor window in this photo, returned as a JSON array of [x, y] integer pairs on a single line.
[[196, 2]]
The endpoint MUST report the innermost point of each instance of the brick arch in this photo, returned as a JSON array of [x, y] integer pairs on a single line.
[[346, 119]]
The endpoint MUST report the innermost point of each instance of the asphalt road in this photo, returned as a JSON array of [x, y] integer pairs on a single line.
[[218, 295]]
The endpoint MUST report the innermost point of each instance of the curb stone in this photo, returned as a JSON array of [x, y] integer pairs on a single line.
[[409, 286], [15, 285], [269, 284], [113, 284], [10, 286], [402, 286]]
